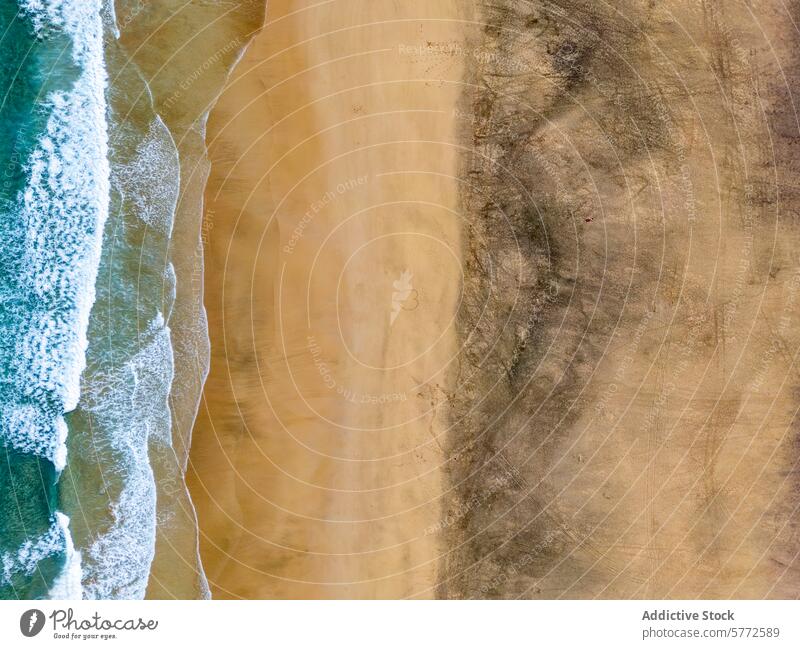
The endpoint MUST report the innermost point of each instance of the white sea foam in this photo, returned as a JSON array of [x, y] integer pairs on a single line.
[[27, 557], [62, 210], [130, 401], [68, 584], [111, 18], [152, 171]]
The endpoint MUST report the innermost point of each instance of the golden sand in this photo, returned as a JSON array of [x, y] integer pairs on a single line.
[[333, 269], [608, 410]]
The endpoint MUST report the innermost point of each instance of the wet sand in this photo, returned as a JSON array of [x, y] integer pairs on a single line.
[[332, 279], [183, 50]]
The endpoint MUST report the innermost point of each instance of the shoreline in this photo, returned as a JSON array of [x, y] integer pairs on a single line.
[[399, 300], [165, 43]]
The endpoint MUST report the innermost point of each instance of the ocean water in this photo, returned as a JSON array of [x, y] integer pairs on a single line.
[[86, 288]]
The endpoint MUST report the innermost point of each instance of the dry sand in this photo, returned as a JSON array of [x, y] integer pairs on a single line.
[[332, 278]]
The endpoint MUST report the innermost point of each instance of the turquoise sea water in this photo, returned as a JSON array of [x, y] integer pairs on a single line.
[[86, 287]]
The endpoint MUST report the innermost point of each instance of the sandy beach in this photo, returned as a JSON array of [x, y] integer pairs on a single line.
[[332, 266], [497, 309]]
